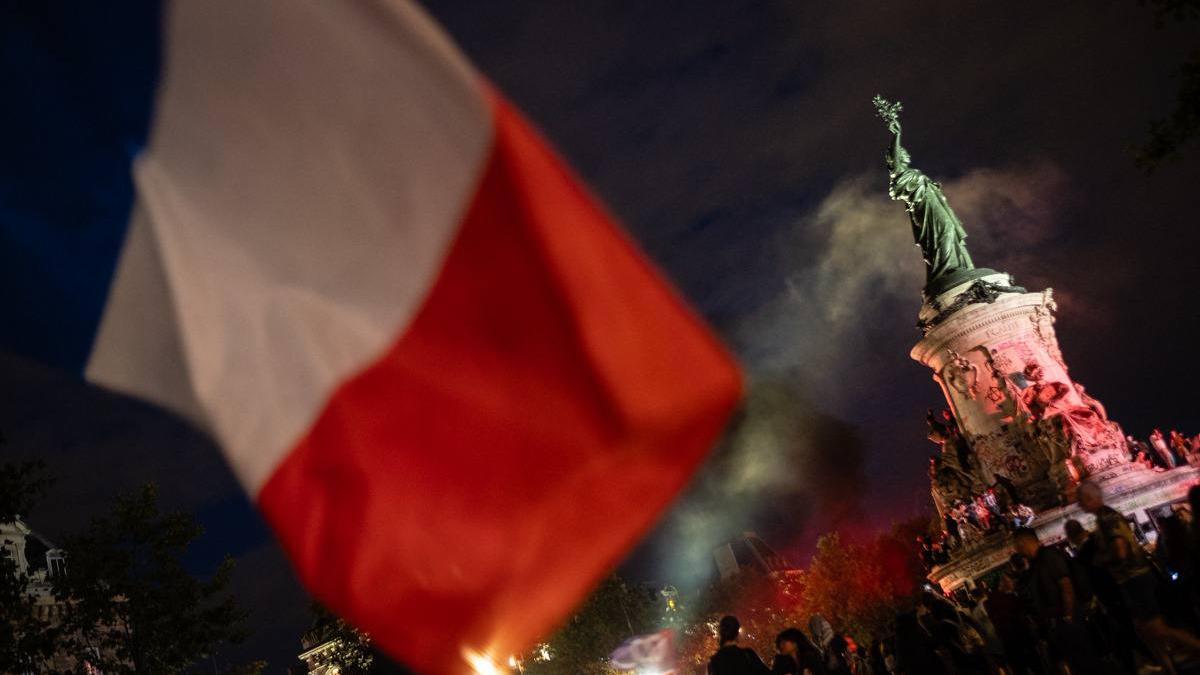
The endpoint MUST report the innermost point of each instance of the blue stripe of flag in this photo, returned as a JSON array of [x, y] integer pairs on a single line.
[[77, 82]]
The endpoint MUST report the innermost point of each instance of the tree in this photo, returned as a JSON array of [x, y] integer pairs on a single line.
[[858, 588], [129, 602], [763, 604], [351, 649], [614, 612], [1167, 136], [25, 641], [848, 585]]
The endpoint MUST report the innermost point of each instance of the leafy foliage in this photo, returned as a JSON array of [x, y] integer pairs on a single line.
[[351, 651], [25, 641], [858, 588], [764, 605], [848, 585], [615, 611], [130, 601], [126, 603]]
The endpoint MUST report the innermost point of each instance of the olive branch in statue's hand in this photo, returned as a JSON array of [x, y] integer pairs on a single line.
[[888, 111]]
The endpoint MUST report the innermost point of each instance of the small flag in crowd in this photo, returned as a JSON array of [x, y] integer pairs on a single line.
[[652, 654]]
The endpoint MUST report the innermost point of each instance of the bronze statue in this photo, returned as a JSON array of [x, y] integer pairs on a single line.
[[936, 229]]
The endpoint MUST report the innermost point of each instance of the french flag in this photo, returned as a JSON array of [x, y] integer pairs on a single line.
[[456, 390]]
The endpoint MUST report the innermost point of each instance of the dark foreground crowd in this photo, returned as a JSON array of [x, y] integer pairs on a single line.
[[1103, 604]]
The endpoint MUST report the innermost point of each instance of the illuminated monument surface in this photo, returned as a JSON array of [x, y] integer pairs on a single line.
[[1017, 423]]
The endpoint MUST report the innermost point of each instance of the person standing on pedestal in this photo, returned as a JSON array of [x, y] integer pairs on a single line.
[[953, 534], [1011, 495], [1180, 447], [1136, 446], [1161, 449], [983, 514]]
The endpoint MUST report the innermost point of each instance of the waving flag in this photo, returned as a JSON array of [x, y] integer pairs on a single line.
[[452, 385], [652, 654]]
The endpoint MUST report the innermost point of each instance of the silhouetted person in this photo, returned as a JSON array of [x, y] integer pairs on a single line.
[[915, 649], [925, 547], [837, 658], [953, 536], [1058, 602], [1007, 612], [1114, 624], [1009, 488], [1118, 552], [976, 611], [797, 655], [1174, 553], [822, 634], [731, 659], [878, 658]]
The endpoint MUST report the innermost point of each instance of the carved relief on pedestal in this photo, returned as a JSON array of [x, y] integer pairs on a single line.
[[954, 473], [1001, 370], [960, 374], [1043, 326]]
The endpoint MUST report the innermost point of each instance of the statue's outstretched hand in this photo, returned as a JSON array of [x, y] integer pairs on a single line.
[[894, 127]]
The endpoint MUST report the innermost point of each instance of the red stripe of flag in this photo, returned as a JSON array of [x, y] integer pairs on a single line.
[[548, 401]]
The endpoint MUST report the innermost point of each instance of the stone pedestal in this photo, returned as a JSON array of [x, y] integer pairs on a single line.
[[1137, 495], [993, 351]]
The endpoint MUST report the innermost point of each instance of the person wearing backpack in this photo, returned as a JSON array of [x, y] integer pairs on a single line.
[[1059, 598]]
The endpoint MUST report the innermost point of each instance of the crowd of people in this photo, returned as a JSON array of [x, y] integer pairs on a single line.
[[819, 652], [1104, 603], [967, 521], [1001, 510], [1165, 451]]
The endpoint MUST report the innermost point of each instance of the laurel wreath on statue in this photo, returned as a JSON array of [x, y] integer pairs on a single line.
[[889, 111]]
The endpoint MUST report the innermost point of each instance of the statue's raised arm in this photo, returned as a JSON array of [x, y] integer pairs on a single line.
[[936, 229], [889, 111]]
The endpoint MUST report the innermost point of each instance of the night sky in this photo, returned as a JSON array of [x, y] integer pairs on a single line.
[[737, 143]]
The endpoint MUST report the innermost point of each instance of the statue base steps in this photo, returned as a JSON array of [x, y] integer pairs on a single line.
[[1140, 494]]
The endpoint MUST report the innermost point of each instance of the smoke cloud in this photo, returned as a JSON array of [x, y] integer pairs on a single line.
[[790, 468], [781, 462], [851, 267]]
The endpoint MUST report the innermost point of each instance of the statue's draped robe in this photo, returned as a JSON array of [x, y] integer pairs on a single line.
[[1085, 427], [936, 229]]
